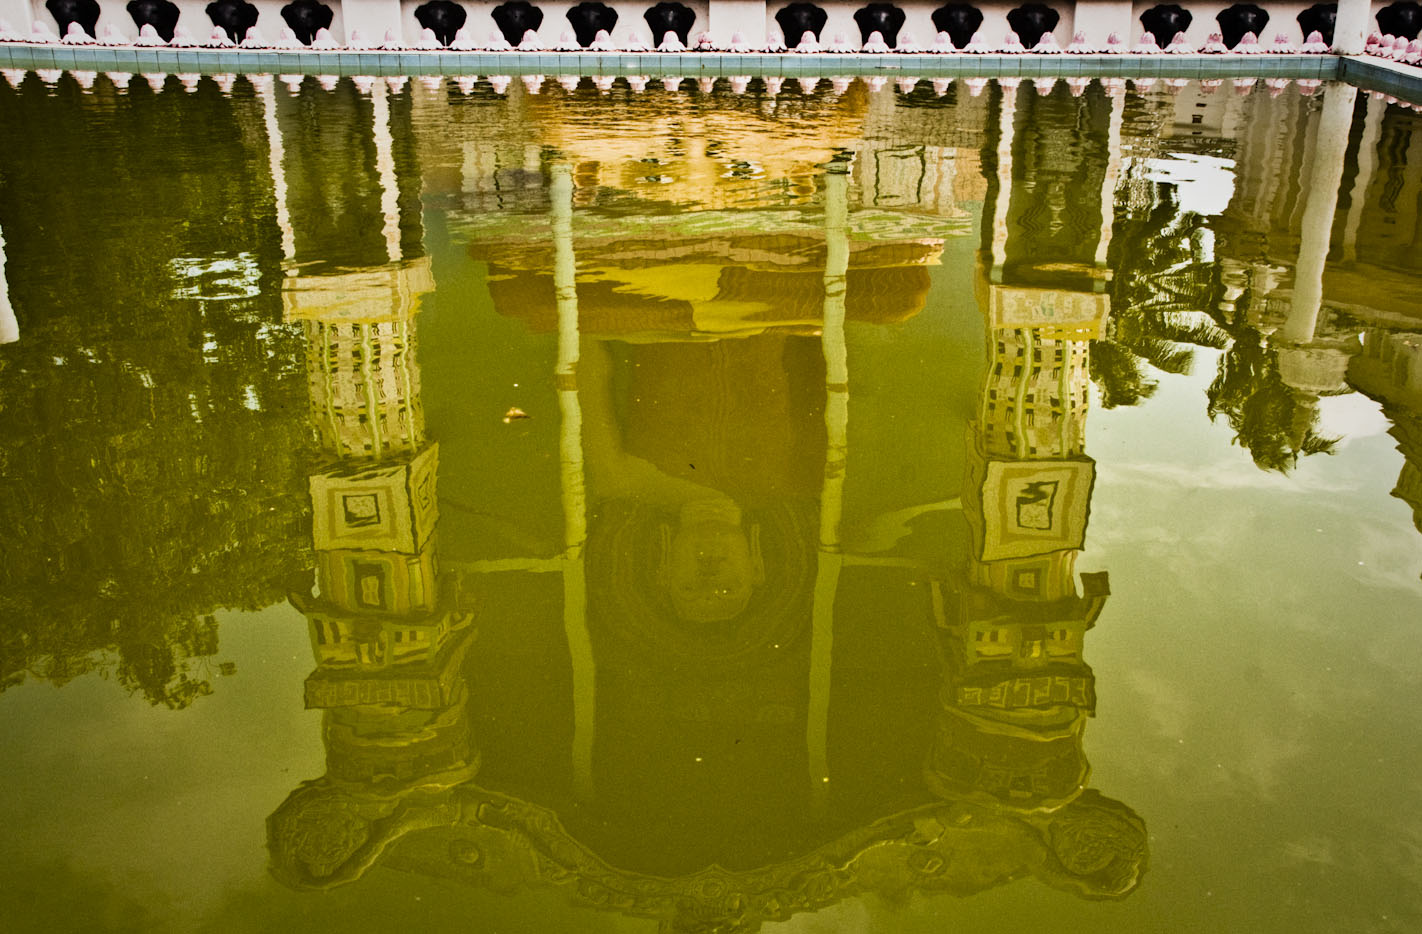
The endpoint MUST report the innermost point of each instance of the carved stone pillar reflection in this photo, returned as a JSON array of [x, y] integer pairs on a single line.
[[389, 630], [1018, 690]]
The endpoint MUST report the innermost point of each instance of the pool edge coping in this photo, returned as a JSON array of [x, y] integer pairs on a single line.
[[1366, 71], [690, 64]]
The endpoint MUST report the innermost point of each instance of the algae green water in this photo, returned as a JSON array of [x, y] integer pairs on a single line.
[[522, 506]]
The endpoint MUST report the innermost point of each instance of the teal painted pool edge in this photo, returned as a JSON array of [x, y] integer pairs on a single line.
[[691, 64], [1376, 74]]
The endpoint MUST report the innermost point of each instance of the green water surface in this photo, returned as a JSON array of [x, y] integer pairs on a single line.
[[857, 506]]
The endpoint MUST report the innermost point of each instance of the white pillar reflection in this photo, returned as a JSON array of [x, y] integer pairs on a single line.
[[830, 559], [1113, 174], [9, 325], [385, 168], [1375, 108], [573, 482], [1324, 178], [1007, 128], [470, 171], [276, 161]]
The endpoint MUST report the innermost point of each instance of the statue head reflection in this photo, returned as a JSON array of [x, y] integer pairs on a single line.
[[711, 561], [707, 579]]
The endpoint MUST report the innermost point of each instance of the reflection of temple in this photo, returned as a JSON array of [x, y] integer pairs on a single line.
[[1019, 689], [389, 631], [753, 705], [727, 241], [1389, 370], [1297, 262], [1374, 284]]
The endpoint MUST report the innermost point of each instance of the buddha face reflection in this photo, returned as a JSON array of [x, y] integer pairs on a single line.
[[711, 564]]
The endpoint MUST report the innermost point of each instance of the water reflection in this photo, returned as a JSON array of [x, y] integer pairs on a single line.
[[766, 605], [711, 768], [151, 402], [1389, 369]]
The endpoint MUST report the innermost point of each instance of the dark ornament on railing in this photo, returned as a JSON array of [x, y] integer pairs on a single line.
[[1165, 20], [515, 18], [1319, 18], [1403, 18], [961, 21], [442, 17], [234, 17], [668, 17], [305, 17], [1239, 19], [1032, 21], [799, 18], [883, 18], [587, 18], [162, 15], [83, 12]]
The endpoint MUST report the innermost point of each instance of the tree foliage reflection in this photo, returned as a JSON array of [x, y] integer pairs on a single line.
[[152, 418], [1168, 297]]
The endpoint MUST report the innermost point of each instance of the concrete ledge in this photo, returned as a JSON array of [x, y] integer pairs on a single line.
[[689, 64], [1378, 74]]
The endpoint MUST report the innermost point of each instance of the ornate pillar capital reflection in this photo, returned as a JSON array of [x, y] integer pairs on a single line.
[[1017, 689], [390, 630]]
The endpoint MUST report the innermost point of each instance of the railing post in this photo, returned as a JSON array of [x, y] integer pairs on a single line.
[[19, 14], [372, 17], [1097, 19], [728, 17], [1350, 30]]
